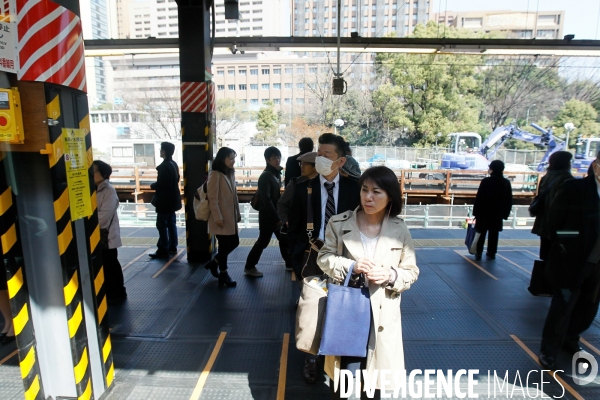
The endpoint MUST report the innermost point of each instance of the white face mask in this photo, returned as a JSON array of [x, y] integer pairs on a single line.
[[323, 165]]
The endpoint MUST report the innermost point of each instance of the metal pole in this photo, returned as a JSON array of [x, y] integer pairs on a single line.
[[339, 34]]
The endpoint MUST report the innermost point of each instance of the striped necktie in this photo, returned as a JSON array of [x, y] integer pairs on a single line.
[[330, 207]]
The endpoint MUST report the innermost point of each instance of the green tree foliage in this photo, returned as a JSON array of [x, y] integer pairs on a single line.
[[582, 115], [429, 93], [266, 123]]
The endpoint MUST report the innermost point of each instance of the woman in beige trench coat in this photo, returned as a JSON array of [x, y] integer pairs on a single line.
[[377, 241], [224, 213]]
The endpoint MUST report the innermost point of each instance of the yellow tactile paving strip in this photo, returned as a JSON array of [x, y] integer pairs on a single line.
[[418, 242]]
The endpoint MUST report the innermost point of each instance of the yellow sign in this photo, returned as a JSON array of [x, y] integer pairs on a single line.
[[77, 164]]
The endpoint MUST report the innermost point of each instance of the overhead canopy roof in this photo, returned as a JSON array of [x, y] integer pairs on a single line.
[[571, 48]]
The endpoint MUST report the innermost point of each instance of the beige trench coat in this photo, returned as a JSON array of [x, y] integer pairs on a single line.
[[223, 202], [395, 249]]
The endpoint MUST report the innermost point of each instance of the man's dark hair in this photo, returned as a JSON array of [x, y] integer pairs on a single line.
[[497, 166], [168, 148], [306, 145], [272, 151], [341, 147], [104, 169], [385, 179], [218, 163], [560, 160]]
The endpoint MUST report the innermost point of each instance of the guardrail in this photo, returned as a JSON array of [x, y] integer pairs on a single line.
[[416, 216]]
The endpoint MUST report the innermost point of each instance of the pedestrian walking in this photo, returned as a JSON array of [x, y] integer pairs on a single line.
[[292, 169], [107, 204], [269, 223], [573, 266], [167, 200], [375, 242], [224, 213], [493, 203]]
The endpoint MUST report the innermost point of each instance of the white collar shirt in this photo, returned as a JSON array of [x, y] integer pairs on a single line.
[[324, 195]]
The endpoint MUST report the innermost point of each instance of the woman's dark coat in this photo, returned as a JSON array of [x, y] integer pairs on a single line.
[[492, 203]]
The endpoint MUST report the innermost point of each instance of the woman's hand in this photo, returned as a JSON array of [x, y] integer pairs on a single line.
[[363, 265], [220, 223], [378, 275]]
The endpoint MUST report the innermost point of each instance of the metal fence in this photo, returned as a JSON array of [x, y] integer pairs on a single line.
[[416, 216]]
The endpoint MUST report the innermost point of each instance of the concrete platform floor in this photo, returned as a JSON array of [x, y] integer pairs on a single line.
[[460, 314]]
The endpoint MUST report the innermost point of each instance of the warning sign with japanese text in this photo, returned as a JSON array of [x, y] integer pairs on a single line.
[[76, 162], [8, 37]]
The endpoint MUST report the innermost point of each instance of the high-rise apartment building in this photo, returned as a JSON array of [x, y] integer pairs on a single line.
[[516, 24], [370, 18], [95, 24]]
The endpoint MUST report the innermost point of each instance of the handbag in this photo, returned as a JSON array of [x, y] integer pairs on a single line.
[[201, 206], [309, 315], [311, 253], [472, 238], [539, 285], [347, 320]]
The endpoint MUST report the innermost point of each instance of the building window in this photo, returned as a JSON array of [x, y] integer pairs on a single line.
[[220, 72], [299, 101], [242, 72], [265, 86], [122, 152], [312, 70], [287, 101], [288, 85], [231, 72], [253, 101], [276, 101], [253, 71], [289, 71], [300, 71], [220, 87], [276, 71], [254, 86], [265, 101], [277, 86], [230, 87], [265, 71], [300, 85], [242, 86]]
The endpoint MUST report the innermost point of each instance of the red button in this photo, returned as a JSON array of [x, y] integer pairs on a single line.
[[3, 121]]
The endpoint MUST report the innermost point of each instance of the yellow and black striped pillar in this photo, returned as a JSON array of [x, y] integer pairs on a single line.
[[92, 229], [67, 248], [14, 268]]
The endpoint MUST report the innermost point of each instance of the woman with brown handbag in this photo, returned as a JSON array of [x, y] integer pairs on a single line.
[[379, 248]]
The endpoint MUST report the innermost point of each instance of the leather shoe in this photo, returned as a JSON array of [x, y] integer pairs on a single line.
[[571, 349], [477, 257], [7, 339], [310, 370], [158, 255], [547, 362], [173, 251], [490, 256]]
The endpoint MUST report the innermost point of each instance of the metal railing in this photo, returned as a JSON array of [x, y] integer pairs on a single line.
[[416, 216]]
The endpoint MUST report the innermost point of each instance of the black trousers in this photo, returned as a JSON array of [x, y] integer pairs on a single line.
[[570, 314], [264, 237], [113, 274], [492, 248], [545, 246], [227, 244], [352, 364]]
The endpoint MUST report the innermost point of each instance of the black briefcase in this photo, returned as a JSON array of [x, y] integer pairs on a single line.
[[539, 285]]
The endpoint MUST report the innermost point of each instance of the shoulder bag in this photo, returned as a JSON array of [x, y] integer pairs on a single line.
[[309, 258], [103, 243], [255, 200], [201, 206]]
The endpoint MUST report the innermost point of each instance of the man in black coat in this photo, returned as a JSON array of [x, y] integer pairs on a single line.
[[292, 167], [329, 188], [167, 200], [269, 223], [574, 265], [493, 203]]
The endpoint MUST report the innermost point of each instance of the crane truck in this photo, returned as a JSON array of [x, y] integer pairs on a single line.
[[586, 150]]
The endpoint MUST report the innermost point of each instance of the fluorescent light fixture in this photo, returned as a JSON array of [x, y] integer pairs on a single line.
[[126, 52]]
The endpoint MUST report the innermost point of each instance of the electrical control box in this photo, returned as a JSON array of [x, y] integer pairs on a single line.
[[11, 117]]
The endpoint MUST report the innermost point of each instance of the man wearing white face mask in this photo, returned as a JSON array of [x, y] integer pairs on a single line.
[[573, 265], [332, 194]]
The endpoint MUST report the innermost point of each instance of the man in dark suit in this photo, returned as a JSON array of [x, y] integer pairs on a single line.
[[292, 167], [573, 265], [167, 200], [332, 194]]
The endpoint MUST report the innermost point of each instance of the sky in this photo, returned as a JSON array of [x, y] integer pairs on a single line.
[[581, 16]]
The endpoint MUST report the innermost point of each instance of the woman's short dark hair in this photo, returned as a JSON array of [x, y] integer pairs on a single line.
[[560, 160], [218, 163], [341, 147], [272, 151], [385, 179], [104, 169], [306, 145]]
